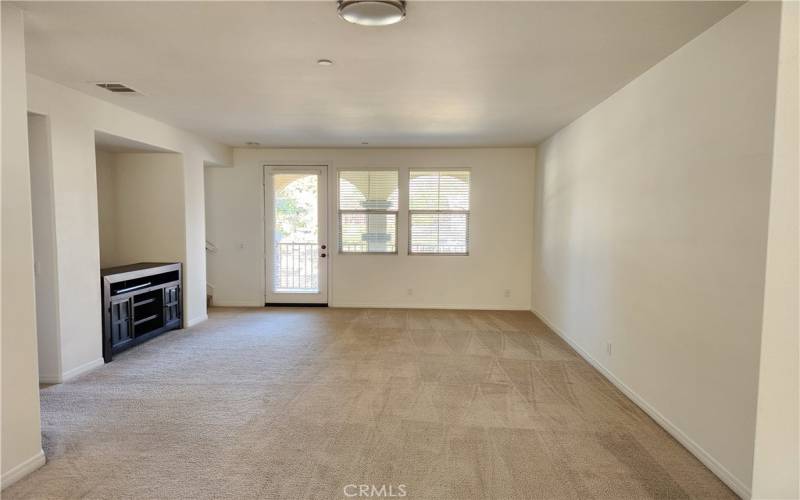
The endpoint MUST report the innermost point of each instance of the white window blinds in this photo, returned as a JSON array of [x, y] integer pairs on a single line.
[[368, 203], [439, 212]]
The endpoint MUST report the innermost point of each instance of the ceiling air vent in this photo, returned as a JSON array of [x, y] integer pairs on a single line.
[[117, 88]]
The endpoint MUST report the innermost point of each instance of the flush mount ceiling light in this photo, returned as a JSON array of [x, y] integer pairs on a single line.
[[324, 62], [372, 12]]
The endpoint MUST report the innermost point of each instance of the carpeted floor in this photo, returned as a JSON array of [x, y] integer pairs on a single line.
[[301, 403]]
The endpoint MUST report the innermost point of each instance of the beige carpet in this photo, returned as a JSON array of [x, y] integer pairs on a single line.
[[301, 403]]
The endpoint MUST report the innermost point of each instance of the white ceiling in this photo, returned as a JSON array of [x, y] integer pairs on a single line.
[[451, 74]]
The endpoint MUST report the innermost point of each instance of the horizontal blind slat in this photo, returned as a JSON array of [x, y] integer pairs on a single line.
[[368, 189], [368, 204], [439, 233], [367, 233], [439, 211], [439, 190]]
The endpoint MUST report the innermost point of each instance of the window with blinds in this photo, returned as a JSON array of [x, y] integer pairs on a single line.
[[368, 203], [438, 217]]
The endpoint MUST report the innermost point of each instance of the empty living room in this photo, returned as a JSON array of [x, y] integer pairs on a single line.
[[408, 249]]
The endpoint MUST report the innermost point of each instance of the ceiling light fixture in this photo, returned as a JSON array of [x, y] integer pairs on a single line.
[[372, 12], [324, 62]]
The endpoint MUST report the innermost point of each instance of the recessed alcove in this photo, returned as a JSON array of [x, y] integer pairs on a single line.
[[139, 201]]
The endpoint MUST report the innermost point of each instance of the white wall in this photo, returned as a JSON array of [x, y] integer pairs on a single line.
[[651, 223], [140, 203], [20, 439], [44, 250], [106, 208], [776, 465], [74, 118], [500, 231]]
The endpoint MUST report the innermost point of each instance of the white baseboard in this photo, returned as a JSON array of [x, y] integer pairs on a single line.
[[462, 307], [22, 470], [191, 322], [70, 374], [695, 449], [237, 303], [381, 305]]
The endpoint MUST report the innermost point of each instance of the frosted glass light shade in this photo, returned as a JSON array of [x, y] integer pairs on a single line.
[[372, 12]]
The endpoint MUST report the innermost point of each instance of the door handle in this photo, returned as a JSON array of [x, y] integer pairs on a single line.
[[324, 247], [323, 255]]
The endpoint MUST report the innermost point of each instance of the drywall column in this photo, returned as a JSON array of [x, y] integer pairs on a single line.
[[20, 432], [194, 273], [106, 208], [44, 250], [775, 467]]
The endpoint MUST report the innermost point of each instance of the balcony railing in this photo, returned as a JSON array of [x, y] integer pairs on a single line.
[[296, 268]]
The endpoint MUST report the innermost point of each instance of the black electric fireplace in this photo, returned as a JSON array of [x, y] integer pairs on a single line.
[[140, 301]]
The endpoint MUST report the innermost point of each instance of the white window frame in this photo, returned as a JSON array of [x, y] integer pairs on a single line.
[[468, 213], [339, 211]]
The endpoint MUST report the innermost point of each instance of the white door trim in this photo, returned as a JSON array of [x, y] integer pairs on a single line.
[[323, 297]]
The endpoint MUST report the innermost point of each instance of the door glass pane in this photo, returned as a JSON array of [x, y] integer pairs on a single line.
[[296, 233]]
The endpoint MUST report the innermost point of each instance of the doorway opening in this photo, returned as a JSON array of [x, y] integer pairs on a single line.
[[296, 248]]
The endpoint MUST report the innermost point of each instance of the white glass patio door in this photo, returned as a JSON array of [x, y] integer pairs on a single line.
[[295, 218]]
